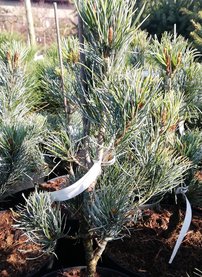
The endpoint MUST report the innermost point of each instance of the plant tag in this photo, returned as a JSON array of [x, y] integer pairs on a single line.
[[181, 128], [79, 186], [82, 184], [186, 224]]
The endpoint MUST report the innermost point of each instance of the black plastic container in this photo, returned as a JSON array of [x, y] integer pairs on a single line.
[[47, 267], [105, 272], [110, 262], [15, 199]]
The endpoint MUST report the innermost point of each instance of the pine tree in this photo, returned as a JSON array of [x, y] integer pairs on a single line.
[[163, 14], [196, 20], [121, 149], [197, 33]]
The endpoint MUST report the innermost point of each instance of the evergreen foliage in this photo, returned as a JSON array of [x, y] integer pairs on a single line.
[[123, 115], [196, 20], [163, 14], [42, 221], [21, 130]]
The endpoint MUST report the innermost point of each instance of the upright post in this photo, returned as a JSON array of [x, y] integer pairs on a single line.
[[60, 57], [175, 32], [30, 23]]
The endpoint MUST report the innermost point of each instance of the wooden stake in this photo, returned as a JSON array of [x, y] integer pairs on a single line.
[[30, 24], [60, 57], [86, 122]]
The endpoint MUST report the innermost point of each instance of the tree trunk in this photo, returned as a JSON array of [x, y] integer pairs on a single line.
[[93, 256], [30, 23], [91, 264]]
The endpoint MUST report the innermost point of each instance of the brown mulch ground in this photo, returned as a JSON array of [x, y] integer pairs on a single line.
[[55, 183], [16, 251], [150, 246]]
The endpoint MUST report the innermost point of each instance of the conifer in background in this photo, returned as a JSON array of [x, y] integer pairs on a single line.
[[196, 21], [163, 14]]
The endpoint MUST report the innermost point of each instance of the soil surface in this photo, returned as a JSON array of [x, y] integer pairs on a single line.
[[18, 256], [55, 183], [150, 246]]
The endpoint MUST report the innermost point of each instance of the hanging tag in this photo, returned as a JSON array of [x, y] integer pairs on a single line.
[[186, 224], [79, 186], [110, 162], [82, 184], [181, 128]]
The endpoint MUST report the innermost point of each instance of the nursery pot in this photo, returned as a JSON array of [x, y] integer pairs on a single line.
[[112, 263], [79, 271], [46, 267], [68, 253], [15, 199]]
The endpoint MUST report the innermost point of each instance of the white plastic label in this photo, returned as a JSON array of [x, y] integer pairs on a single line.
[[185, 226], [181, 128], [79, 186]]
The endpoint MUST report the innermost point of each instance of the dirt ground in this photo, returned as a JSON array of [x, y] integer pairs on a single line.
[[18, 256], [150, 246]]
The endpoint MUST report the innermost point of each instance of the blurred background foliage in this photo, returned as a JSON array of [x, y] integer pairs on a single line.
[[163, 14]]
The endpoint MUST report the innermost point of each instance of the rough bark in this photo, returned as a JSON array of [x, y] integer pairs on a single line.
[[93, 256]]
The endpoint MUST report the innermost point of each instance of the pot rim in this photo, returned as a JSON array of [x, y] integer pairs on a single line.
[[82, 267]]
